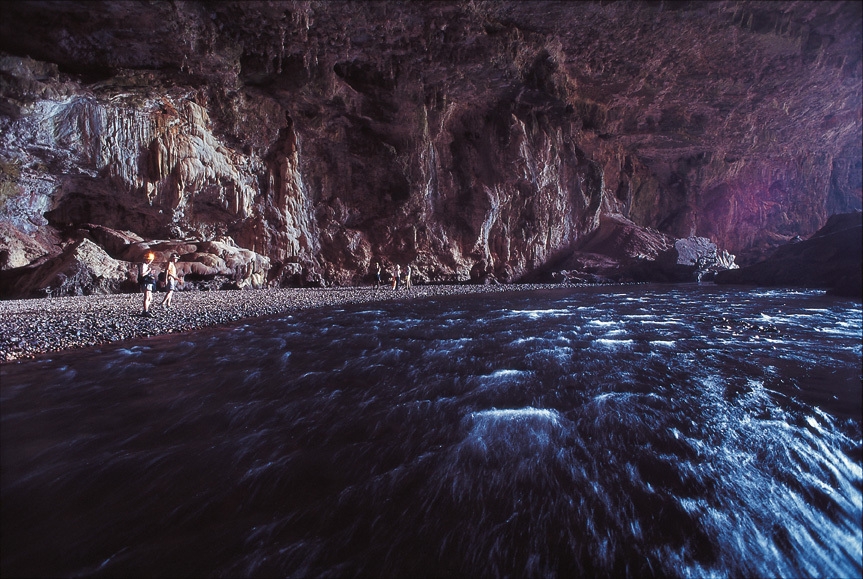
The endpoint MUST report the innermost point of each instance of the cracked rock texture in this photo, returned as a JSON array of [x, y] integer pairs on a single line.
[[476, 140]]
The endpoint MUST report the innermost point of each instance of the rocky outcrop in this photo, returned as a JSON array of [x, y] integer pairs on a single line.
[[692, 259], [613, 252], [832, 258], [213, 264], [620, 251], [477, 141], [83, 268]]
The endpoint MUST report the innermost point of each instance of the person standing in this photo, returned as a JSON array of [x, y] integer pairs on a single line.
[[171, 279], [397, 275], [377, 275], [408, 277], [147, 281]]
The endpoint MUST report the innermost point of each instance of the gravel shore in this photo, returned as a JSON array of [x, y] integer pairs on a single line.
[[32, 327]]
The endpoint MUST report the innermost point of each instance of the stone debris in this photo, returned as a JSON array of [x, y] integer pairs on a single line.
[[37, 326], [83, 268]]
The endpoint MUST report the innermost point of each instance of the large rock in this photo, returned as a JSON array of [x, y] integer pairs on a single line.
[[83, 268], [618, 251], [612, 252], [831, 258], [206, 264], [117, 244], [692, 259]]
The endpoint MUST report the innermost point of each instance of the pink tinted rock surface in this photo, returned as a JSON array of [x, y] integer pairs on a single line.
[[476, 140]]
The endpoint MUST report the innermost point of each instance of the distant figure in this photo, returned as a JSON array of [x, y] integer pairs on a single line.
[[377, 275], [408, 277], [171, 279], [147, 281], [397, 275]]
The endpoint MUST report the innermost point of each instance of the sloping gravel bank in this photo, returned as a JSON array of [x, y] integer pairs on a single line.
[[32, 327]]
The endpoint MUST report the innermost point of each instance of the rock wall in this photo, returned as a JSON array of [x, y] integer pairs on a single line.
[[476, 140], [831, 258]]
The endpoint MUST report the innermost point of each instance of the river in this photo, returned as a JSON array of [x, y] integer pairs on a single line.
[[627, 431]]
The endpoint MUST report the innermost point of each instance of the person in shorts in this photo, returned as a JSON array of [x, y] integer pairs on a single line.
[[408, 277], [147, 281], [171, 279]]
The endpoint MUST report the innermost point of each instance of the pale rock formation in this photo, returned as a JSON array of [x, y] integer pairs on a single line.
[[83, 268]]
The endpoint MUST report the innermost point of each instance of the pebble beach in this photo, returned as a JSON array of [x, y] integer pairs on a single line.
[[29, 328]]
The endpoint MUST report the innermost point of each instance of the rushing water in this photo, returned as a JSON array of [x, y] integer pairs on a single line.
[[683, 431]]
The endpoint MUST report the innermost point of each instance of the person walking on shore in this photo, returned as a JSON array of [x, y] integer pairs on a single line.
[[147, 281], [408, 277], [397, 274], [377, 275], [171, 280]]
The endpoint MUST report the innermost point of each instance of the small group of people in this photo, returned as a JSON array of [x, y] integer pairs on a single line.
[[147, 279], [398, 279]]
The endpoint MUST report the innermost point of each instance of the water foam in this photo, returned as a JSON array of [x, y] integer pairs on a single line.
[[330, 445]]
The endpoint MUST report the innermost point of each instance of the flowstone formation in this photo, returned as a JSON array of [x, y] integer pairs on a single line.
[[477, 141]]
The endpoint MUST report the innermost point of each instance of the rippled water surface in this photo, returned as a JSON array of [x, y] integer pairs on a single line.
[[638, 431]]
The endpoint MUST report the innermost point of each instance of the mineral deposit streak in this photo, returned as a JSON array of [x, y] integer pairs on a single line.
[[694, 431]]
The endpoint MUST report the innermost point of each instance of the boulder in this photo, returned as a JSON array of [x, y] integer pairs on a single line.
[[205, 260], [691, 259], [90, 265], [587, 268], [21, 246], [83, 268], [619, 238], [114, 242], [205, 264], [619, 250]]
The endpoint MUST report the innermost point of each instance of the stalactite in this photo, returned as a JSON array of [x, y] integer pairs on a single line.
[[145, 140]]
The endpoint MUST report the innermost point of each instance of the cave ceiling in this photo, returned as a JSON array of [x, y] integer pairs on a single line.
[[664, 78]]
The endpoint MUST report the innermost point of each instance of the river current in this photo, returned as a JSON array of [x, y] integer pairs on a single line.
[[628, 431]]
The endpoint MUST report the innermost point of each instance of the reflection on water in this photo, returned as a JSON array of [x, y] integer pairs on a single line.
[[626, 432]]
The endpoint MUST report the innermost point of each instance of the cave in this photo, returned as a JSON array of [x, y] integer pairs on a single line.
[[463, 288], [735, 122]]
